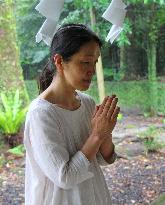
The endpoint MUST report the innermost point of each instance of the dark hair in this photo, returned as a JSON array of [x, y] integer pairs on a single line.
[[67, 41]]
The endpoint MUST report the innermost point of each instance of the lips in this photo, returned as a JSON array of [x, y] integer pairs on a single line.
[[87, 81]]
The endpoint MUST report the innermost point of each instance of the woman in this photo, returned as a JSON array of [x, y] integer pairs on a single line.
[[66, 136]]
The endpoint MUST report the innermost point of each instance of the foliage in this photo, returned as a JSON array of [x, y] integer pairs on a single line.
[[123, 40], [150, 17], [138, 28], [32, 88], [120, 116], [32, 55], [159, 200], [150, 139], [18, 150], [12, 115], [31, 52], [112, 74], [79, 12]]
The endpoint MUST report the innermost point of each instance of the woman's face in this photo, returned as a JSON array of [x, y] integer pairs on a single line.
[[78, 72]]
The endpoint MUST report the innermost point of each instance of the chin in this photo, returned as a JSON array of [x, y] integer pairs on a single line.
[[83, 88]]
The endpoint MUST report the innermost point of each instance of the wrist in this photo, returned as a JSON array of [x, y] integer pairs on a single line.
[[107, 148], [96, 139], [111, 156]]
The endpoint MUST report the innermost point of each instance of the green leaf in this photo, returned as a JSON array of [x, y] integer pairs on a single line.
[[164, 121], [5, 103], [16, 104], [19, 150], [12, 117], [120, 116]]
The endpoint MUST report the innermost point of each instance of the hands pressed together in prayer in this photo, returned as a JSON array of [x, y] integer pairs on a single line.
[[105, 117], [103, 122]]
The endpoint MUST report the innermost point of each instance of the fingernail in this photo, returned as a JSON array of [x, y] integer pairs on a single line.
[[115, 99]]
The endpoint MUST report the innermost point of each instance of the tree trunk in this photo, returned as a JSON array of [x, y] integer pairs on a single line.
[[122, 57], [152, 78], [11, 77], [99, 66], [151, 58]]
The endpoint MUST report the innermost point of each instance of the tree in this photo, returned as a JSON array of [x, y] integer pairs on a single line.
[[33, 55], [123, 42], [11, 72], [153, 19]]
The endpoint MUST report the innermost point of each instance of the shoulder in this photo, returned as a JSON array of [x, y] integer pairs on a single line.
[[86, 98], [41, 109], [88, 101]]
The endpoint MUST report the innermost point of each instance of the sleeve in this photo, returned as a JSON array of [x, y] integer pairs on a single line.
[[102, 161], [51, 154]]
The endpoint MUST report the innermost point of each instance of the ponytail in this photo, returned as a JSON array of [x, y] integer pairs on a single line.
[[46, 77]]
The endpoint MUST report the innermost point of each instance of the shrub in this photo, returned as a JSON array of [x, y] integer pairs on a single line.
[[12, 115], [150, 139]]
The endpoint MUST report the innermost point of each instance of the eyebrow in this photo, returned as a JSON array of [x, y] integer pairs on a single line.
[[88, 55]]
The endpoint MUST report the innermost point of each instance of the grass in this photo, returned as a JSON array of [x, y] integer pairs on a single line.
[[131, 94], [160, 200]]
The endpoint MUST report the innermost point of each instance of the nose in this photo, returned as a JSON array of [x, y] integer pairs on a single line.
[[92, 70]]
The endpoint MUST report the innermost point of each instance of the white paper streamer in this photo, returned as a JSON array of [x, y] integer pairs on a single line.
[[114, 33], [47, 31], [51, 9], [115, 14]]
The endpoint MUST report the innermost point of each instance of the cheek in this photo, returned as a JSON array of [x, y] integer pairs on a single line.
[[79, 70], [76, 71]]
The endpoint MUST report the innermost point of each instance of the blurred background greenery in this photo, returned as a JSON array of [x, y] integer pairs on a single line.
[[133, 66]]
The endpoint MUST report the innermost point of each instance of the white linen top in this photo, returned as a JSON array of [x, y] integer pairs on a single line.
[[57, 172]]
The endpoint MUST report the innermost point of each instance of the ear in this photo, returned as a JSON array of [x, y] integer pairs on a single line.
[[58, 63]]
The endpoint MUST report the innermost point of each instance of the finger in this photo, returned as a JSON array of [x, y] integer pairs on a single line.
[[112, 108], [101, 107], [96, 109], [107, 106], [104, 102], [115, 113], [114, 95]]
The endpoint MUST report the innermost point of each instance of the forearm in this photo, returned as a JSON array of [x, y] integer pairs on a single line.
[[107, 150], [91, 147]]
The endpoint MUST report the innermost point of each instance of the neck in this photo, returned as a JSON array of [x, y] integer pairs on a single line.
[[60, 93]]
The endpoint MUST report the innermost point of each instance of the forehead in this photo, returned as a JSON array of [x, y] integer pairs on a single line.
[[90, 49]]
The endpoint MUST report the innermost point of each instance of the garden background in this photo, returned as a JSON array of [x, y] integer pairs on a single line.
[[133, 69]]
